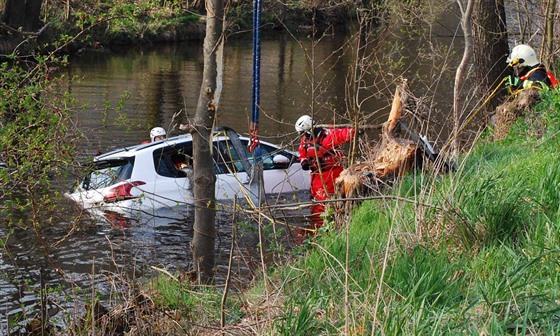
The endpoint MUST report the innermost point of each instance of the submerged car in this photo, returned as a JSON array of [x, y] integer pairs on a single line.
[[159, 174]]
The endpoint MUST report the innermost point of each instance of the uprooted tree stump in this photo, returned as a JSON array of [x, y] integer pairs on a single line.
[[393, 157], [519, 105]]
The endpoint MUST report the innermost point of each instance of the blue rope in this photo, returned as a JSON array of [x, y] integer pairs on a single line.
[[257, 8]]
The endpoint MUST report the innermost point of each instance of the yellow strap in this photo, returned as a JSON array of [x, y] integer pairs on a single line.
[[468, 121]]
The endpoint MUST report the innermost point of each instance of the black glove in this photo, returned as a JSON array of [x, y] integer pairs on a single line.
[[305, 164]]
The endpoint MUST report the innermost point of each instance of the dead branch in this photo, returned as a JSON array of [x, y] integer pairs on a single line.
[[23, 33]]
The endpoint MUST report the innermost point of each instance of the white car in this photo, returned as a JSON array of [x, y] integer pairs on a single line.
[[158, 174]]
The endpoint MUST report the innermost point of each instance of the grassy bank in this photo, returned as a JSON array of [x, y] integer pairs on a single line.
[[472, 252]]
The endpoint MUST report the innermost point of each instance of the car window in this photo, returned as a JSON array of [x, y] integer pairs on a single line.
[[170, 161], [108, 172], [263, 154], [266, 153], [226, 158]]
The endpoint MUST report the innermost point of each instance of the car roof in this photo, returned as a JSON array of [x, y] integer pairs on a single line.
[[131, 151]]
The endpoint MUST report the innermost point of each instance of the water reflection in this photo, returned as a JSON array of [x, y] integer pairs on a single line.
[[163, 85], [99, 254]]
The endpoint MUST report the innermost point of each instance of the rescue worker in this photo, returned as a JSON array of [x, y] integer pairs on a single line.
[[319, 152], [156, 134], [528, 72]]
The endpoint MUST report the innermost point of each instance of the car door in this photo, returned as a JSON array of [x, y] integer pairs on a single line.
[[282, 172], [231, 178], [172, 183]]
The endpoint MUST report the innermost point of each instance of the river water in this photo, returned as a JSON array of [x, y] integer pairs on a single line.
[[159, 86]]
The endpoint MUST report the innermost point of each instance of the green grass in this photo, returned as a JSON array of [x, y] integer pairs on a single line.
[[480, 256], [173, 294]]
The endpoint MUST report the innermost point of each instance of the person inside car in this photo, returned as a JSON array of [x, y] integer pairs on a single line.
[[183, 162], [156, 134]]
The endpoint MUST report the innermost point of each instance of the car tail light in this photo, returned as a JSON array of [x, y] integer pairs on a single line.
[[121, 192]]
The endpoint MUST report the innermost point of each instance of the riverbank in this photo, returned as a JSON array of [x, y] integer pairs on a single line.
[[141, 22], [471, 252]]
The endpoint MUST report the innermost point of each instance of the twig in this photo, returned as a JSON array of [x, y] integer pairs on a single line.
[[230, 263], [303, 205], [378, 126]]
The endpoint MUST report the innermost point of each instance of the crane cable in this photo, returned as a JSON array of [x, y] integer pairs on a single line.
[[255, 97]]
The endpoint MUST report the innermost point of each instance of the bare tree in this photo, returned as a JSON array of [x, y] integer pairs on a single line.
[[484, 27], [204, 177], [547, 48], [532, 22], [466, 12]]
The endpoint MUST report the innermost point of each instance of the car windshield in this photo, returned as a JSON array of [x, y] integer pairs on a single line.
[[108, 172], [228, 158]]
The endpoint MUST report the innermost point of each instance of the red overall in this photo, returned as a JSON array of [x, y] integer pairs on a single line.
[[325, 162]]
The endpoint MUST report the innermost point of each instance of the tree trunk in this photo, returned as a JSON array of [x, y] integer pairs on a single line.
[[204, 176], [490, 50], [24, 14], [547, 51]]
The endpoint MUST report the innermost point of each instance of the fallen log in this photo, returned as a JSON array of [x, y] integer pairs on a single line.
[[395, 156]]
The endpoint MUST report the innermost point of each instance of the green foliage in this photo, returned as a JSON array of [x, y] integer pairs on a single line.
[[238, 18], [514, 291], [424, 278], [299, 319], [182, 19], [547, 108], [201, 305], [37, 137], [491, 202]]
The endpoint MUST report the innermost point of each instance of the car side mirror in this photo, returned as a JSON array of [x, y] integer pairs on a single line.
[[280, 161]]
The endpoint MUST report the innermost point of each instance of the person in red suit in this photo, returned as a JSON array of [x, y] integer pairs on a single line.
[[319, 151]]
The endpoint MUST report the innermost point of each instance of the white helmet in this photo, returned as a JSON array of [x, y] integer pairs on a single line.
[[304, 124], [523, 55], [157, 131]]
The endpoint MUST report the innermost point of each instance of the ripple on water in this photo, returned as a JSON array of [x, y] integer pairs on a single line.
[[102, 255]]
